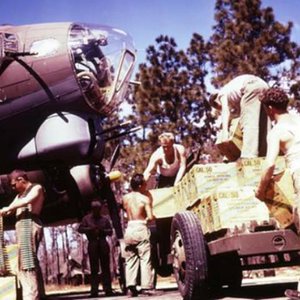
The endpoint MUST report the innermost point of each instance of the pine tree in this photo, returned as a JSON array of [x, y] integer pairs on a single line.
[[171, 97], [248, 39]]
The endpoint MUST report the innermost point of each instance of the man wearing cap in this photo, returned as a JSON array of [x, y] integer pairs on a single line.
[[240, 98], [27, 204], [169, 161], [97, 228]]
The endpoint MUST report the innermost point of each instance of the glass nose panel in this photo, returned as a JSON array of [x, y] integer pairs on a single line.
[[103, 59]]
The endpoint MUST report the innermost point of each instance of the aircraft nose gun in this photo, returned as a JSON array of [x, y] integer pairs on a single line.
[[103, 61], [63, 67]]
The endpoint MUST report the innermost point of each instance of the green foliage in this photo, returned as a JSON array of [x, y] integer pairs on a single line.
[[172, 94], [248, 39]]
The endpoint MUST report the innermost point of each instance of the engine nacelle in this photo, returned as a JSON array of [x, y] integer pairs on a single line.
[[67, 138], [88, 179]]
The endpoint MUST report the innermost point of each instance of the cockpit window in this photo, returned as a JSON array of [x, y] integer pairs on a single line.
[[45, 47], [103, 60], [8, 43]]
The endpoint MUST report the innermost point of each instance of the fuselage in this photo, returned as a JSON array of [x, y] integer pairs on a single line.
[[65, 75]]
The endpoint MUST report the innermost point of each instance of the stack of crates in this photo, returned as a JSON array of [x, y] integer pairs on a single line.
[[234, 207], [203, 210], [280, 198], [280, 194], [182, 193], [201, 180], [250, 169], [225, 194]]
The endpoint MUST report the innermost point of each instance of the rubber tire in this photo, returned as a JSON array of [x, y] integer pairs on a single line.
[[192, 282]]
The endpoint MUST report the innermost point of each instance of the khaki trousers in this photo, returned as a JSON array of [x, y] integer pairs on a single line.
[[138, 254], [31, 280], [250, 120]]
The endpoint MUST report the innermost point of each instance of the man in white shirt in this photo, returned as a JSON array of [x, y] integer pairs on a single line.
[[240, 98], [169, 160]]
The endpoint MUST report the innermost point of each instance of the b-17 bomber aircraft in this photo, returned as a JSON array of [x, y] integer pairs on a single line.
[[58, 81]]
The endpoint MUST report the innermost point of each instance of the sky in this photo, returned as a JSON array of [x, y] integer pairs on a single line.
[[144, 20]]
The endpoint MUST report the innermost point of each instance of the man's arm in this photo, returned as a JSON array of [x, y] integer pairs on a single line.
[[151, 166], [34, 194], [225, 115], [108, 228], [272, 153], [182, 167], [125, 206], [7, 210], [149, 210], [85, 227]]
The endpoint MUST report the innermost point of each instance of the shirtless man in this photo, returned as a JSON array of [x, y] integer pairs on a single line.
[[29, 201], [169, 160], [138, 206], [284, 137]]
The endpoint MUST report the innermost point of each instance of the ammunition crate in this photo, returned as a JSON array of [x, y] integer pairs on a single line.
[[232, 147], [235, 207], [8, 288], [280, 199], [206, 178]]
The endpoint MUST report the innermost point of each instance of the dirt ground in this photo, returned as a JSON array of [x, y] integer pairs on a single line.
[[280, 275]]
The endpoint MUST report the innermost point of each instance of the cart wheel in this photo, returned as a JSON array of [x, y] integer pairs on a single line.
[[190, 258]]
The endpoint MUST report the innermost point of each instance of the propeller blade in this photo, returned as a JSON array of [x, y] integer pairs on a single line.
[[114, 157]]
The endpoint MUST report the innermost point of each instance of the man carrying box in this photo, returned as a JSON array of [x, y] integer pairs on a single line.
[[284, 137], [240, 98]]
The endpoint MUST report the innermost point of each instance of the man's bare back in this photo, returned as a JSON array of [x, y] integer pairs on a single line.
[[138, 206], [287, 131]]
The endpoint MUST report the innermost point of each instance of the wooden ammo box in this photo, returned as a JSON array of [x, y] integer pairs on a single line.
[[8, 288], [232, 208], [280, 198], [250, 169], [232, 147], [206, 178]]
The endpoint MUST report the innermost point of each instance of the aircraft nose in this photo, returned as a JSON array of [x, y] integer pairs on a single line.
[[103, 59]]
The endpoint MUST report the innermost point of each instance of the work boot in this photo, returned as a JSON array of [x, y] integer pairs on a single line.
[[151, 292], [109, 293], [94, 295], [292, 294], [132, 291]]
